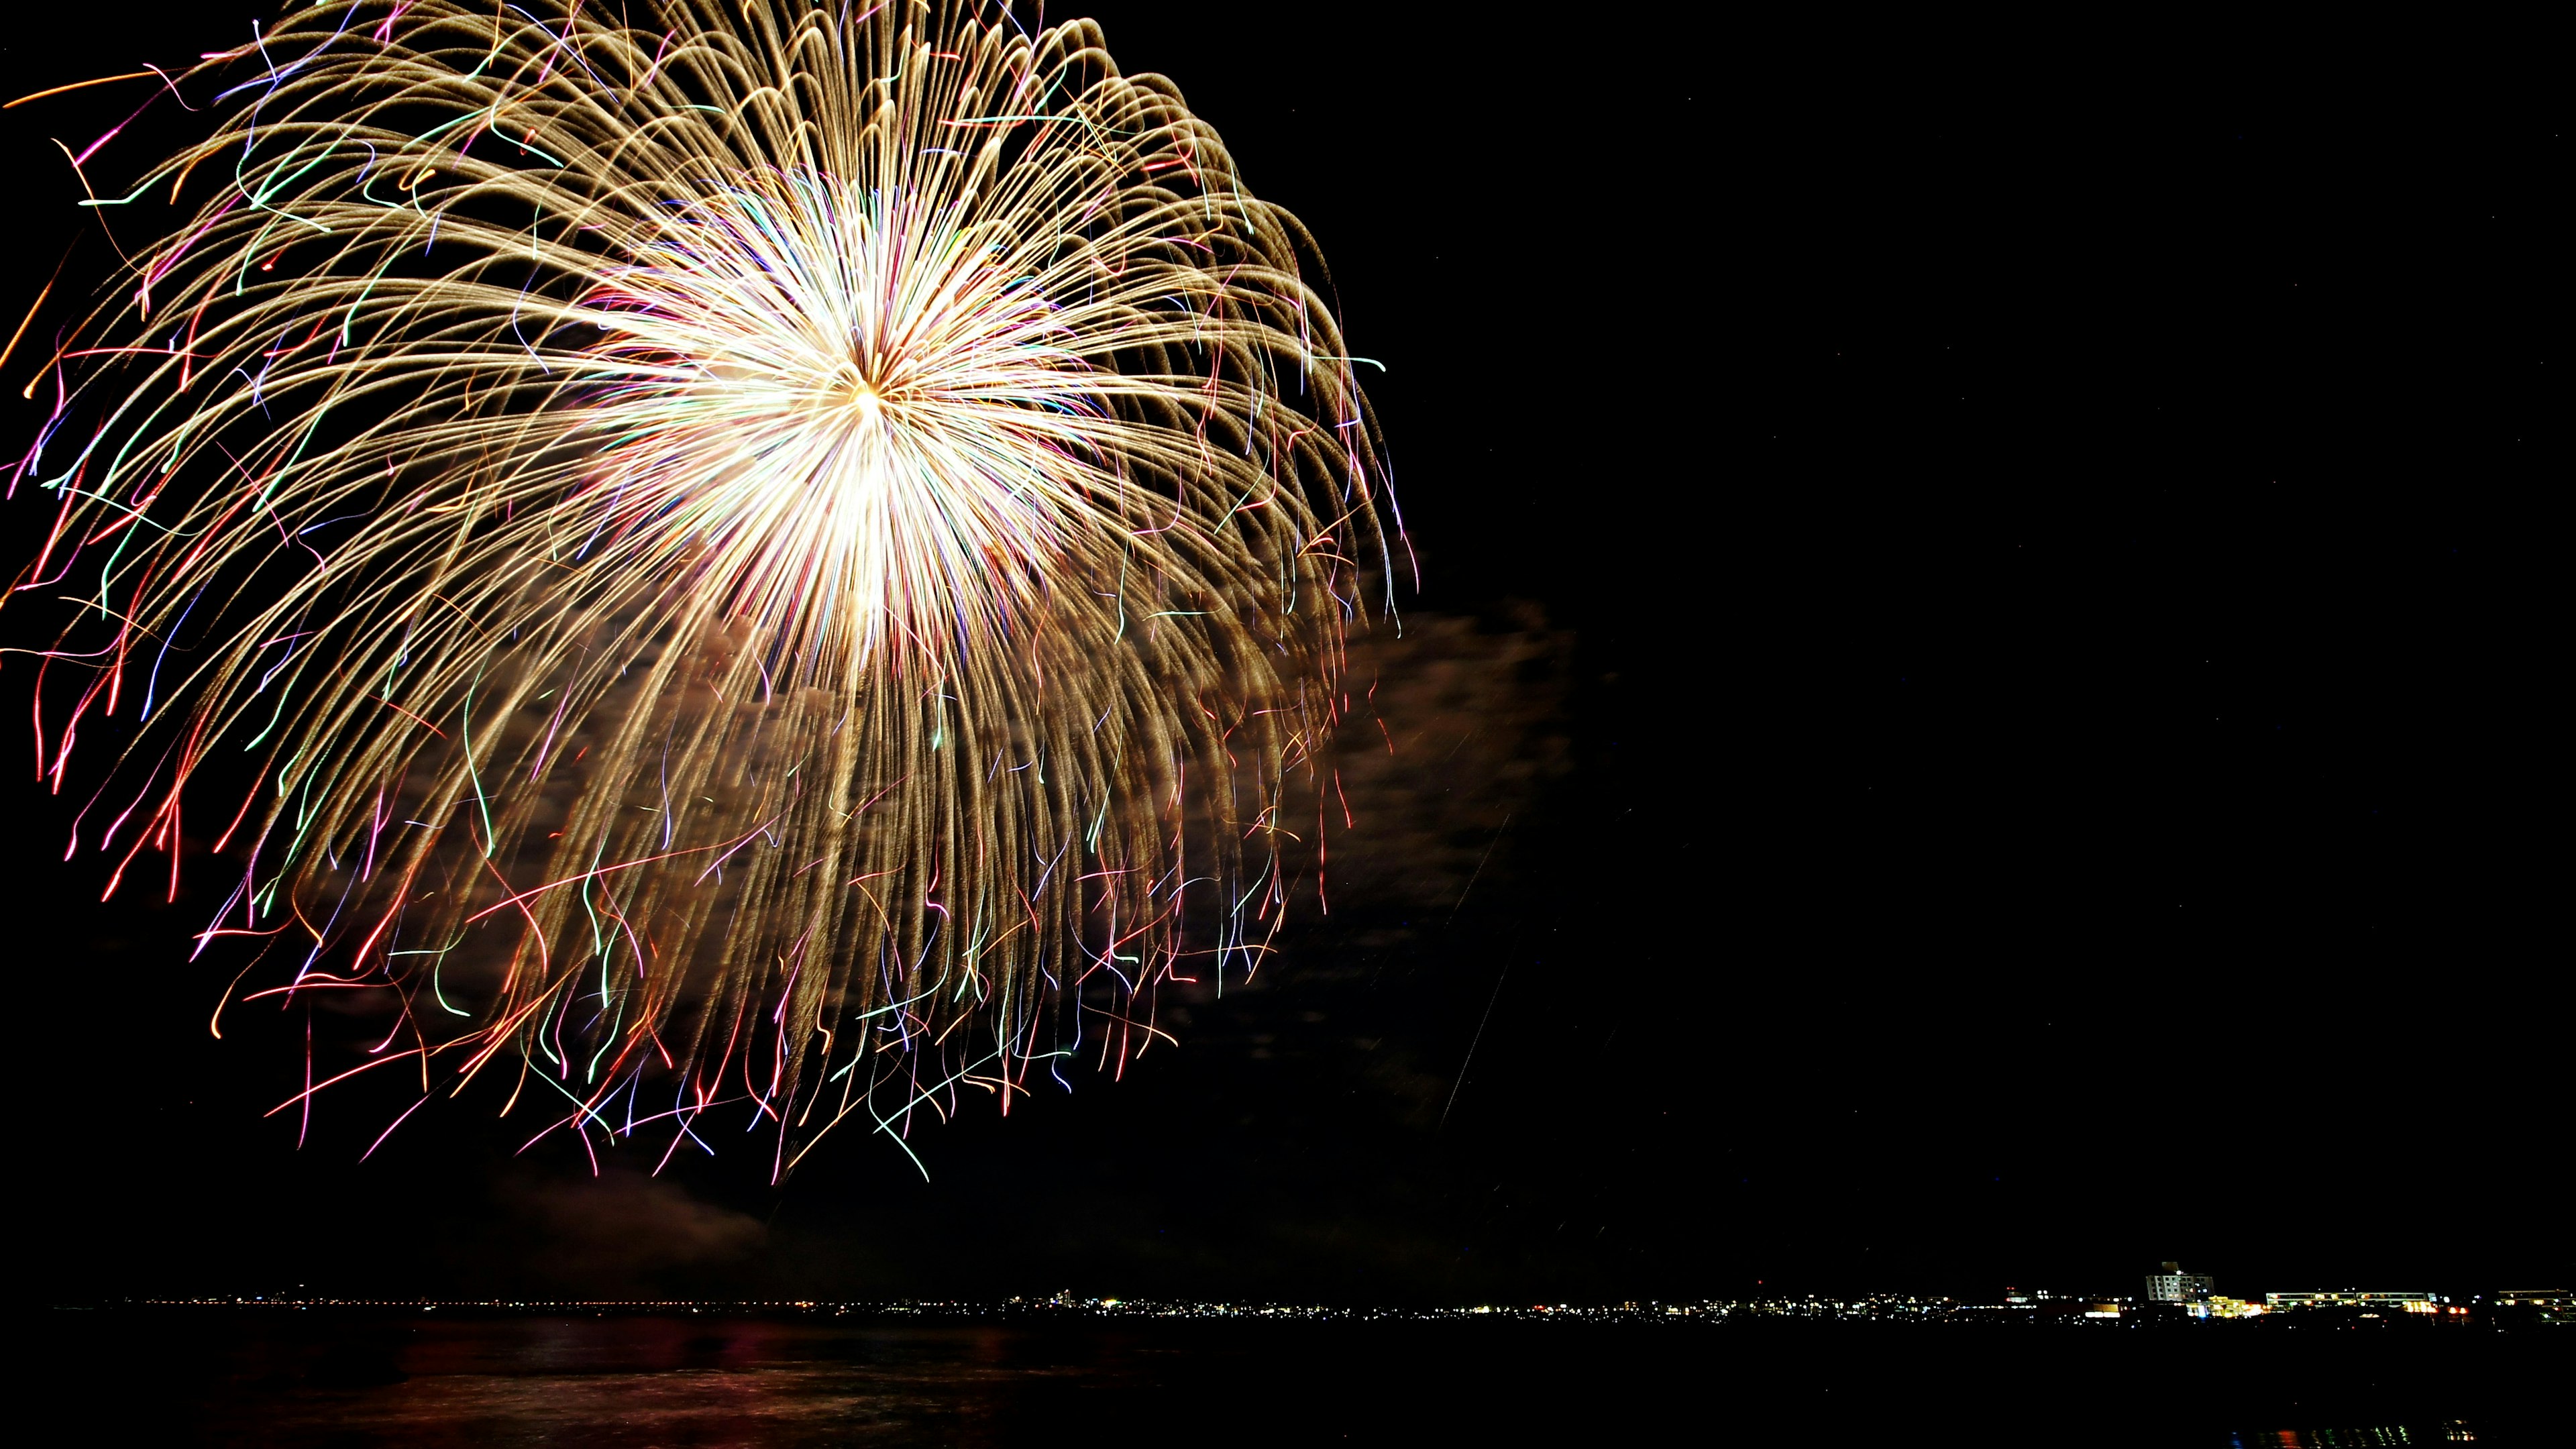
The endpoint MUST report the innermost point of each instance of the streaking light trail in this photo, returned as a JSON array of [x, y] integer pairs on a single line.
[[773, 560]]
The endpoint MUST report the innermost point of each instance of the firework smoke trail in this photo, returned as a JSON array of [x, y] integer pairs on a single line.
[[767, 558]]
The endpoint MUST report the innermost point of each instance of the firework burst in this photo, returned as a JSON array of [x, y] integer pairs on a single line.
[[769, 560]]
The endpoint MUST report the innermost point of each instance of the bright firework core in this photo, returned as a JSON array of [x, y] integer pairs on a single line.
[[886, 434], [767, 563]]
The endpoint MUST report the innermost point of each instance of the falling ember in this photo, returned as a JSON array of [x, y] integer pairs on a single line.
[[768, 562]]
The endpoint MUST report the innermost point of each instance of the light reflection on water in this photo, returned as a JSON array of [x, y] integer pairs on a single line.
[[619, 1382], [297, 1381], [769, 1405]]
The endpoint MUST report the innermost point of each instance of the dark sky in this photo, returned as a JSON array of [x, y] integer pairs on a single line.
[[1973, 717]]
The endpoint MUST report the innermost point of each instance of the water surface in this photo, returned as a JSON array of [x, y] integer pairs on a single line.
[[302, 1379]]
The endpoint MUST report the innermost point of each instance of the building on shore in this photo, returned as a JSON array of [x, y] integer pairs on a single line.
[[2173, 1285], [2557, 1298], [2218, 1306], [2354, 1298], [2538, 1305]]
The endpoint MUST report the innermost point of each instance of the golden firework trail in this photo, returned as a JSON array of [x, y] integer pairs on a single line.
[[771, 558]]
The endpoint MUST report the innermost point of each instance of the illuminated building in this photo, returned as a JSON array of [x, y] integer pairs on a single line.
[[2558, 1299], [2548, 1305], [2352, 1298], [2173, 1285], [2215, 1306]]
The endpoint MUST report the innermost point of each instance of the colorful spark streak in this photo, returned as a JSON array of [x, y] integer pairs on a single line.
[[766, 560]]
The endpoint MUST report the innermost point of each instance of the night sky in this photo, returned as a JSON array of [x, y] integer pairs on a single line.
[[1973, 716]]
